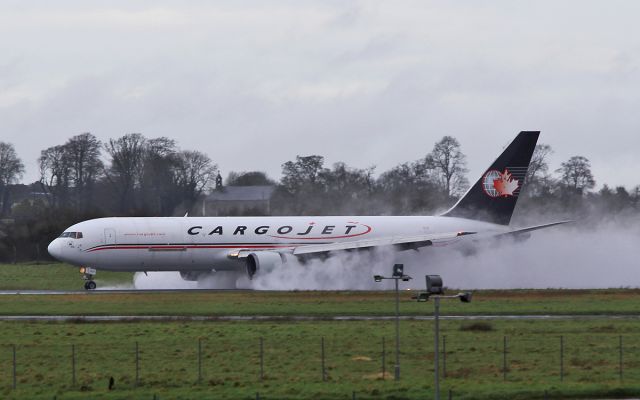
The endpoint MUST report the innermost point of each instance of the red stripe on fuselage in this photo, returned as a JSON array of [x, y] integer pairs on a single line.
[[169, 247]]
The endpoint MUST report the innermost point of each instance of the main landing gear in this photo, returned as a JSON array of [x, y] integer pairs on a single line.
[[87, 275]]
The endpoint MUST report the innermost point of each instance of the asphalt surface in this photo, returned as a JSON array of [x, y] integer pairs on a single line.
[[103, 318], [107, 291], [142, 318]]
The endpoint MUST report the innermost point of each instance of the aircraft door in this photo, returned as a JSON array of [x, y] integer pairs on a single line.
[[109, 236]]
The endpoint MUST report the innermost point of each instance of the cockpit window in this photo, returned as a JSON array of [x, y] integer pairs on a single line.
[[72, 235]]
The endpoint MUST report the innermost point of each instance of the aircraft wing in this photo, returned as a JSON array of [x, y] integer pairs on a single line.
[[405, 242], [399, 242], [402, 242]]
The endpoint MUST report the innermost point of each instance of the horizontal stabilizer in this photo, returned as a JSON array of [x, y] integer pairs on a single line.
[[534, 228]]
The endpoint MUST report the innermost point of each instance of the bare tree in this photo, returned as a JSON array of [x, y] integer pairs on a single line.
[[410, 187], [153, 177], [576, 174], [11, 170], [538, 166], [537, 178], [194, 172], [635, 196], [157, 184], [55, 174], [127, 157], [303, 172], [449, 164], [83, 155], [346, 189], [301, 189]]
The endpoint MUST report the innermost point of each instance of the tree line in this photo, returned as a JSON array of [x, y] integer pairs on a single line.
[[134, 175]]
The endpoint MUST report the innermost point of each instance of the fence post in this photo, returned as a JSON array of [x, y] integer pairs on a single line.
[[14, 367], [561, 358], [384, 366], [324, 375], [620, 355], [261, 358], [444, 356], [504, 358], [137, 366], [199, 360], [73, 364]]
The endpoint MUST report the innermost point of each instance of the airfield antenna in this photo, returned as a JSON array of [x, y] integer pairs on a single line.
[[435, 289], [397, 275]]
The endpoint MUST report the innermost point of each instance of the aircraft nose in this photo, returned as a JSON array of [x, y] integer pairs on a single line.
[[54, 249]]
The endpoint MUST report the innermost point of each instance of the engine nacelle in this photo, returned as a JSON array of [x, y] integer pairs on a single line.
[[263, 261], [193, 275]]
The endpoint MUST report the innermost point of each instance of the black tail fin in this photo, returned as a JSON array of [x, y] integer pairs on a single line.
[[493, 197]]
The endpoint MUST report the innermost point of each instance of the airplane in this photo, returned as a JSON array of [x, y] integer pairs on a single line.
[[201, 246]]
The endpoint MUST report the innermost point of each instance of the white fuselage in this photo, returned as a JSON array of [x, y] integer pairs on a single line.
[[205, 243]]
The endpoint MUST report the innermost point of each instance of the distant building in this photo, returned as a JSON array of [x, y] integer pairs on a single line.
[[30, 193], [238, 200]]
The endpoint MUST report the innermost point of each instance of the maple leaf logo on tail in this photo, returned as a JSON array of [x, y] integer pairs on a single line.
[[504, 184]]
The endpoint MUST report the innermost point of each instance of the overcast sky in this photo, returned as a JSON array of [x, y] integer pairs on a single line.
[[253, 84]]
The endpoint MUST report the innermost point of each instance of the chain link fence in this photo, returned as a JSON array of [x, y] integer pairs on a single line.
[[219, 360]]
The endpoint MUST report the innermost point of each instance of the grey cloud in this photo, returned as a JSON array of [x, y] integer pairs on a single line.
[[366, 83]]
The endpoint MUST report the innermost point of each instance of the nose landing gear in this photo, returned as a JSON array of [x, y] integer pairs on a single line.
[[87, 275]]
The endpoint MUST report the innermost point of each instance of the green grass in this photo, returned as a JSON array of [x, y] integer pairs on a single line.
[[230, 350], [53, 276], [230, 360], [587, 302]]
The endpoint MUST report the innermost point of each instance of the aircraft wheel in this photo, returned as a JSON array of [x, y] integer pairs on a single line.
[[90, 285]]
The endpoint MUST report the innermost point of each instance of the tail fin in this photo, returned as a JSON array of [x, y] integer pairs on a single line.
[[493, 197]]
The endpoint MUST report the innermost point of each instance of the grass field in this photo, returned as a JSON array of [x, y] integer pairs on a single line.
[[230, 360], [230, 351], [53, 276], [615, 302]]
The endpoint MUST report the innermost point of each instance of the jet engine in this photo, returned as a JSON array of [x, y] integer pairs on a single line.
[[263, 261]]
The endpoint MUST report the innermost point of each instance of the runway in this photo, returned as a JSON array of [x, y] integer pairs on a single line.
[[109, 291], [295, 318], [273, 318]]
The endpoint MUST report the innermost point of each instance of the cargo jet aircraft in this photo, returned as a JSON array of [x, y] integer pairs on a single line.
[[200, 246]]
